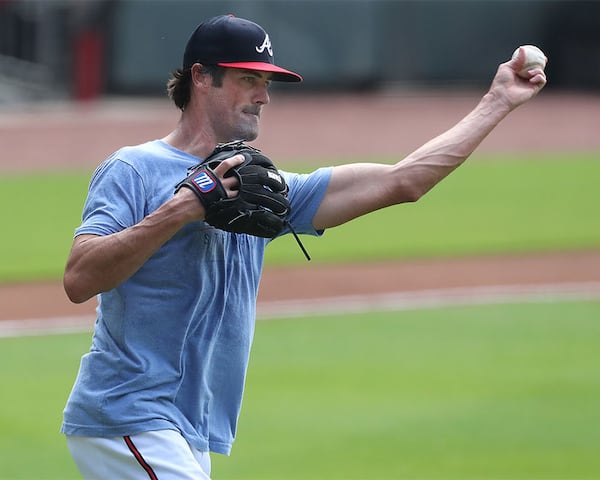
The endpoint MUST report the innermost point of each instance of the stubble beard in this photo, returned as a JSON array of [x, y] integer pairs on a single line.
[[248, 134], [249, 130]]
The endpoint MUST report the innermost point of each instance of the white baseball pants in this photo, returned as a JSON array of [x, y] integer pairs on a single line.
[[158, 455]]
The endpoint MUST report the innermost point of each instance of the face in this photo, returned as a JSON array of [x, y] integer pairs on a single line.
[[234, 108]]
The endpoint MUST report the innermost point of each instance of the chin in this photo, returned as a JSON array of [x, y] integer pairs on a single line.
[[248, 136]]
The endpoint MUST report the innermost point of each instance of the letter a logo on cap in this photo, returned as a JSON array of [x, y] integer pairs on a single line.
[[266, 44]]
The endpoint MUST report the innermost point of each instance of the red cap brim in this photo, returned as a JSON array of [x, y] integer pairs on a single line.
[[279, 74]]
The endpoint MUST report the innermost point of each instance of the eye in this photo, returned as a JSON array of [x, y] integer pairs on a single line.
[[255, 80]]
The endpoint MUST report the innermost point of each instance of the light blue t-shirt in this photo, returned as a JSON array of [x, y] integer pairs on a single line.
[[171, 344]]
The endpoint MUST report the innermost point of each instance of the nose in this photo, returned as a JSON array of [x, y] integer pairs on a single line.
[[262, 97], [262, 91]]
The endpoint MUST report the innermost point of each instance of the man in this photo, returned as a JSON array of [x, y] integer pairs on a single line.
[[162, 384]]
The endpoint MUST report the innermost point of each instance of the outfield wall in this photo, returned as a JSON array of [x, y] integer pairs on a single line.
[[98, 47]]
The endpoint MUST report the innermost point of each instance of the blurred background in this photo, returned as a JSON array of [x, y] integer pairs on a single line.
[[85, 49]]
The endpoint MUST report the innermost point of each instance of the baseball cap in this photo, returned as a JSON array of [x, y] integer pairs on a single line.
[[234, 42]]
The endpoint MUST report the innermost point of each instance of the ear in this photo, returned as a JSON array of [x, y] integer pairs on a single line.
[[199, 78]]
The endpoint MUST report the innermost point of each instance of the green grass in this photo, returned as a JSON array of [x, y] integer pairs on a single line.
[[39, 213], [489, 206], [465, 393], [37, 374], [482, 392]]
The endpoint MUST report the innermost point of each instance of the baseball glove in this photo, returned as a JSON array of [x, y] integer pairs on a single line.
[[261, 205]]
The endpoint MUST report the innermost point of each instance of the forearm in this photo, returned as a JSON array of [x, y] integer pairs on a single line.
[[428, 165], [420, 171], [351, 195], [100, 263]]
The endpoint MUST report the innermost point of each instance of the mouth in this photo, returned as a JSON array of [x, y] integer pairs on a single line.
[[252, 111]]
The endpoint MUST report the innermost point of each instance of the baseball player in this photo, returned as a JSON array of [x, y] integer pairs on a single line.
[[172, 241]]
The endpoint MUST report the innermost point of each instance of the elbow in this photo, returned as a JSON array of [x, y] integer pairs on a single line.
[[80, 278], [74, 289], [410, 194], [404, 189], [413, 196]]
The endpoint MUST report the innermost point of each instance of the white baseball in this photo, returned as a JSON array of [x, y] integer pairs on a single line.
[[534, 58]]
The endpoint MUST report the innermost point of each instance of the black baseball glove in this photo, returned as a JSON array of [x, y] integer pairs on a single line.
[[261, 205]]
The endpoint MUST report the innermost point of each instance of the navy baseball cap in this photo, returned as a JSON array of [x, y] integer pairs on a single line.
[[233, 42]]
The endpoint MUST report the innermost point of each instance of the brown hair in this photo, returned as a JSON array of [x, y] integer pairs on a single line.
[[179, 83]]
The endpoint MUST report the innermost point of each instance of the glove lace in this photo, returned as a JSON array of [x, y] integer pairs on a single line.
[[289, 225]]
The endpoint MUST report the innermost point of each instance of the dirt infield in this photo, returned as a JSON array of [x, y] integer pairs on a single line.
[[315, 128]]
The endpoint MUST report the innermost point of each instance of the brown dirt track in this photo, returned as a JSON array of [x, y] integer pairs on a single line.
[[316, 128]]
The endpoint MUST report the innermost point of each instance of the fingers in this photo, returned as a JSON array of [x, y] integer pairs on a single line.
[[228, 164], [528, 63], [535, 76], [517, 62], [230, 183], [538, 76]]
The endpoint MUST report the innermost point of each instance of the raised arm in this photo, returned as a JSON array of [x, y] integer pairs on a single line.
[[357, 189]]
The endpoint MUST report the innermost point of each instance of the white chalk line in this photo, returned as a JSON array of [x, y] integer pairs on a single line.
[[350, 304]]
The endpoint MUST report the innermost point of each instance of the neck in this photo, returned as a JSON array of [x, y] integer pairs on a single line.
[[191, 138]]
